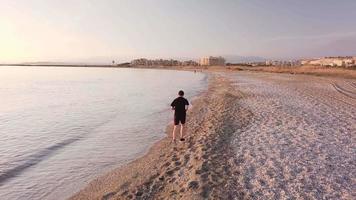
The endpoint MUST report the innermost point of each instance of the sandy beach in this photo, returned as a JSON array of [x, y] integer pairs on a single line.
[[250, 136], [300, 142]]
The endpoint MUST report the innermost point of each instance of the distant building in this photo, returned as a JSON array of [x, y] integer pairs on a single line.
[[305, 62], [282, 63], [315, 62], [349, 62], [140, 62], [346, 61], [338, 63], [332, 61], [161, 62], [190, 63], [212, 61]]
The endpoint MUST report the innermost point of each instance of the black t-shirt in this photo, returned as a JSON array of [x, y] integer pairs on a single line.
[[179, 105]]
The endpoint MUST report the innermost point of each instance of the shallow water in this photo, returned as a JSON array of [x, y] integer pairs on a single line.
[[62, 127]]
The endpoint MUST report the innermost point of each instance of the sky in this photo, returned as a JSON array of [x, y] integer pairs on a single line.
[[105, 30]]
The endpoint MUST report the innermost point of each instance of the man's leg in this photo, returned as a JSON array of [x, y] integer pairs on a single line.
[[182, 122], [181, 130], [174, 133]]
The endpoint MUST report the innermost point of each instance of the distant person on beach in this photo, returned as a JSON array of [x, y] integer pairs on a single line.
[[180, 107]]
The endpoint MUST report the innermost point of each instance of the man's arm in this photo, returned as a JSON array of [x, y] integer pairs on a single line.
[[186, 105], [173, 105]]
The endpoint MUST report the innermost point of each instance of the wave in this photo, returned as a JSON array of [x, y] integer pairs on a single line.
[[34, 159]]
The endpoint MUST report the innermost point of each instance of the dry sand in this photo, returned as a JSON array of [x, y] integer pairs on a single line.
[[251, 136], [300, 142], [308, 69]]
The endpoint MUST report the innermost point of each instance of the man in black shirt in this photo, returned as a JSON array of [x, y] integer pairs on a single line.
[[180, 107]]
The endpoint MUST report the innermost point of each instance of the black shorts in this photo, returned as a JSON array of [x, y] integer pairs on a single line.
[[179, 118]]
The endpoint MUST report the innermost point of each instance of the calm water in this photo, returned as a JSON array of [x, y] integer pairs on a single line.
[[62, 127]]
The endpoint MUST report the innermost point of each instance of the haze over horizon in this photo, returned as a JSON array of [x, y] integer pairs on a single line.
[[99, 31]]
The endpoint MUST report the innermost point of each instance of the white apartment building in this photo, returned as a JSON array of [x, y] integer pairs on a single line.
[[315, 62], [212, 61], [305, 62], [349, 62]]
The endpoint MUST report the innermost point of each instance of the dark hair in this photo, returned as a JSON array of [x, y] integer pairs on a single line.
[[181, 93]]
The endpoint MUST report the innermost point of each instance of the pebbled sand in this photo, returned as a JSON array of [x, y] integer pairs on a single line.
[[300, 143], [251, 136]]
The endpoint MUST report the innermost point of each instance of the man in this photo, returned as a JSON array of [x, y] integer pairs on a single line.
[[180, 107]]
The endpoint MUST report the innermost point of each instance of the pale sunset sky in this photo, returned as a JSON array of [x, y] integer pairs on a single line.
[[103, 30]]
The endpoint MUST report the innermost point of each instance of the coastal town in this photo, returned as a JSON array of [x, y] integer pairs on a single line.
[[205, 61], [339, 61]]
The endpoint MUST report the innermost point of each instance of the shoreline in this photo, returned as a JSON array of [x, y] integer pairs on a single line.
[[304, 70], [195, 169]]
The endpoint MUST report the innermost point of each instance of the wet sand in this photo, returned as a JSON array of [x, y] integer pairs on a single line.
[[194, 169], [251, 136]]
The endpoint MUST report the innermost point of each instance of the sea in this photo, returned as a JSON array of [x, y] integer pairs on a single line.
[[61, 127]]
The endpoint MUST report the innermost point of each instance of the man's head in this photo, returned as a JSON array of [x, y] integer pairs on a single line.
[[181, 93]]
